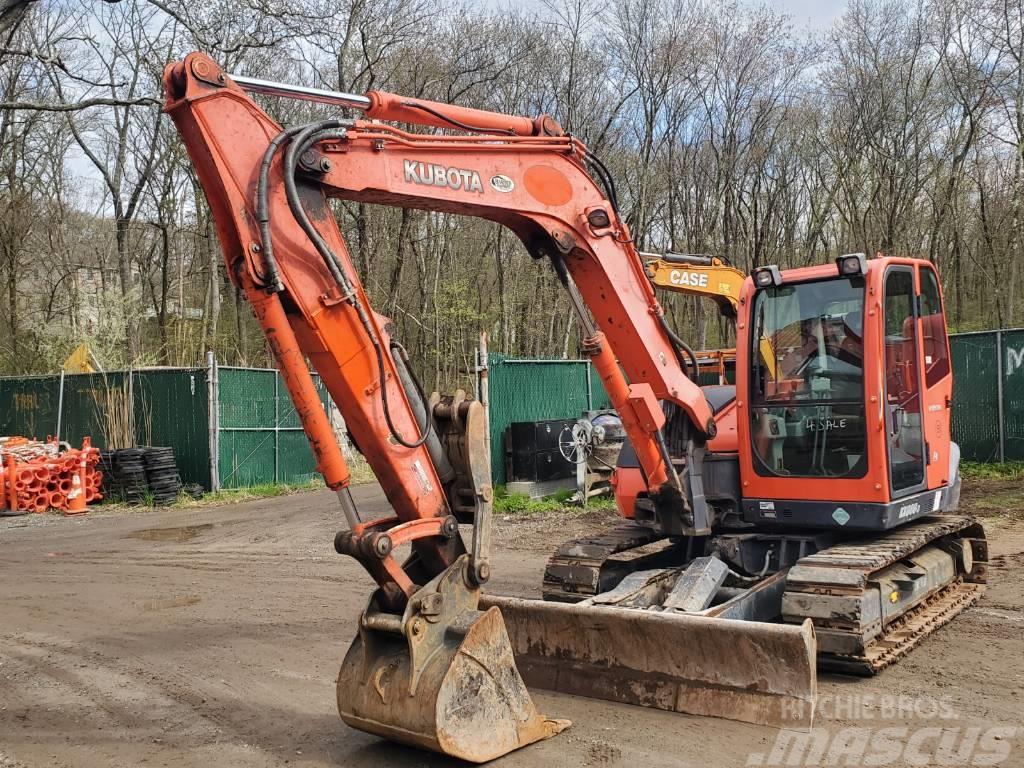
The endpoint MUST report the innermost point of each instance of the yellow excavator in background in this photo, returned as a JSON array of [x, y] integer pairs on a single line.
[[702, 275]]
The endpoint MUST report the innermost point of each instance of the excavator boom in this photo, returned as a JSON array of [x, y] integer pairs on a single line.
[[709, 276]]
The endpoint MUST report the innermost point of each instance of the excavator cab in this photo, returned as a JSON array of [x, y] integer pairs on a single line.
[[858, 406]]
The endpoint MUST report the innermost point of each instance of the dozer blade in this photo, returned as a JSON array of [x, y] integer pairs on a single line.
[[751, 671], [441, 677]]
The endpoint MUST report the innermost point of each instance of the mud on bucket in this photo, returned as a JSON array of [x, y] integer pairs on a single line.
[[441, 677]]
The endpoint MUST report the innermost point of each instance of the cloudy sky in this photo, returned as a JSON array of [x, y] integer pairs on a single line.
[[815, 14]]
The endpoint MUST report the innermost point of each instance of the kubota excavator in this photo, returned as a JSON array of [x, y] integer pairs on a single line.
[[743, 507]]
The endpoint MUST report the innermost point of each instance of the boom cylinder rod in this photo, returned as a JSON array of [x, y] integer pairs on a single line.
[[381, 105], [271, 88]]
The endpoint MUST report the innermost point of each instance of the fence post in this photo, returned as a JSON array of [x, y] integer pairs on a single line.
[[60, 405], [590, 390], [213, 427], [277, 429], [999, 395]]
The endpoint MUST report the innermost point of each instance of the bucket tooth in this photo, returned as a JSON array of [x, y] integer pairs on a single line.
[[441, 677]]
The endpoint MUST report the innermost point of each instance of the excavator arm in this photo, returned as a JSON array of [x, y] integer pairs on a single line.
[[699, 275], [428, 668]]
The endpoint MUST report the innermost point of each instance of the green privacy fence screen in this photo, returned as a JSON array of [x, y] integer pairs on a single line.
[[251, 436], [988, 394], [260, 438], [170, 407], [534, 390]]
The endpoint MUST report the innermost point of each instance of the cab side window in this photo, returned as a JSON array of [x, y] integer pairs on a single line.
[[933, 330]]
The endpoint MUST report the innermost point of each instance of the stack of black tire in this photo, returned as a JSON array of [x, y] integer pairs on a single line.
[[162, 474], [124, 475], [132, 474]]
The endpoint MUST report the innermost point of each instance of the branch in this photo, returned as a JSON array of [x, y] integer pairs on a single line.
[[35, 106]]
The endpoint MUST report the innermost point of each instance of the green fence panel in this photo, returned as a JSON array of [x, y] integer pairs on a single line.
[[28, 406], [92, 402], [533, 390], [246, 399], [170, 409], [260, 437], [1013, 394], [245, 457], [296, 463], [599, 398], [975, 418]]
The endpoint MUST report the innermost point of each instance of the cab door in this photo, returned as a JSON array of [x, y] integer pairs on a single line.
[[903, 396], [938, 377]]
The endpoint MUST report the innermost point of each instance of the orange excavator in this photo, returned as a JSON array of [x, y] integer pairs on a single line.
[[690, 607]]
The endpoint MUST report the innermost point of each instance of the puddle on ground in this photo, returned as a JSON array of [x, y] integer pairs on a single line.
[[182, 533]]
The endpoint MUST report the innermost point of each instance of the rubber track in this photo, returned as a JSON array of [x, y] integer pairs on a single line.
[[872, 555], [586, 557], [901, 636]]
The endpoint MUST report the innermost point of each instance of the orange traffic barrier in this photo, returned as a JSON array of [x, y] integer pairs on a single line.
[[36, 476]]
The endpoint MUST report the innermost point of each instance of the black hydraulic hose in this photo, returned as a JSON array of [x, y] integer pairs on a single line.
[[273, 277], [681, 348], [305, 138], [427, 427], [606, 180]]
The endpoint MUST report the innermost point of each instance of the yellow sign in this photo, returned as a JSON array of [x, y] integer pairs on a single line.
[[80, 361]]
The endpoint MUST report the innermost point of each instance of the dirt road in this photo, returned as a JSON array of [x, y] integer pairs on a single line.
[[212, 638]]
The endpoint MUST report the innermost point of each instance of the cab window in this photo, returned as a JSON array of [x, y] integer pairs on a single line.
[[933, 330], [807, 397]]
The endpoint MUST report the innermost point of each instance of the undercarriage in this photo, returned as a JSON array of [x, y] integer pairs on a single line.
[[871, 597]]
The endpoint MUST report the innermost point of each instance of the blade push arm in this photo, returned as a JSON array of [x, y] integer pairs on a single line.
[[261, 180]]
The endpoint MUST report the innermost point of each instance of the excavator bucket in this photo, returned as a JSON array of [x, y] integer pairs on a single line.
[[441, 677], [751, 671]]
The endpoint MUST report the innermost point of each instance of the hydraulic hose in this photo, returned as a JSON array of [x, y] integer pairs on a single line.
[[303, 139], [681, 348], [273, 277]]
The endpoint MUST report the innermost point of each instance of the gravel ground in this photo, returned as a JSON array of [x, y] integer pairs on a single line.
[[211, 637]]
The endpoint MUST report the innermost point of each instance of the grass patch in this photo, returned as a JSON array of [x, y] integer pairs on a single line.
[[237, 495], [1007, 470], [359, 470], [519, 503]]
